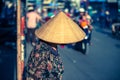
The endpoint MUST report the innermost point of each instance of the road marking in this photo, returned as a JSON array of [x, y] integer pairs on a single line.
[[96, 39], [74, 61]]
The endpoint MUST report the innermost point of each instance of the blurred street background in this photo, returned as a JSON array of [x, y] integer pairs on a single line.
[[101, 61]]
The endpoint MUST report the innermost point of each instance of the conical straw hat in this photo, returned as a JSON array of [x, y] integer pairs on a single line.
[[60, 30]]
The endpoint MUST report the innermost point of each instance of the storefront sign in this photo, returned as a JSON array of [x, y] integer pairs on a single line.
[[111, 1]]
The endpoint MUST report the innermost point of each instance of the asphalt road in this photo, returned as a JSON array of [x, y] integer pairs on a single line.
[[100, 63]]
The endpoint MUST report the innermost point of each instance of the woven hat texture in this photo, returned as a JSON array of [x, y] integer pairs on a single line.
[[61, 29]]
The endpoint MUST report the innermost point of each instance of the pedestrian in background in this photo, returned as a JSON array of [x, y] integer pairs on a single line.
[[44, 62], [108, 19], [102, 19], [9, 14], [90, 27], [33, 18], [67, 12], [84, 25], [82, 12]]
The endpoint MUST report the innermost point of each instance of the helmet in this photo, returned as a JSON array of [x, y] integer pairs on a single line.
[[82, 10]]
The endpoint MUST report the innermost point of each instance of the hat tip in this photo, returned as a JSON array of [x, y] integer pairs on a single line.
[[61, 12]]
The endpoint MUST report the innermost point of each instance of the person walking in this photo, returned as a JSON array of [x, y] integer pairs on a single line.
[[44, 62], [102, 19], [32, 20]]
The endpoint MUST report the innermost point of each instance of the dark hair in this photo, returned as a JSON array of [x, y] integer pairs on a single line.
[[30, 10]]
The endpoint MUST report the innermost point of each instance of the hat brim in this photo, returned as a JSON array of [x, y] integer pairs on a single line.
[[60, 30]]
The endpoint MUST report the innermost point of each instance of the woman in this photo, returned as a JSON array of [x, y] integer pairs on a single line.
[[44, 62]]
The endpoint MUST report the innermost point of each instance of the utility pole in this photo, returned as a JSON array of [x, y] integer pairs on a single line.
[[19, 72]]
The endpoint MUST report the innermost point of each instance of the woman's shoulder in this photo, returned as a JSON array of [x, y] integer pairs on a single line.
[[40, 45]]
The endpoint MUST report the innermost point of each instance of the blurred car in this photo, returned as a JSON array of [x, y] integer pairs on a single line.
[[116, 29]]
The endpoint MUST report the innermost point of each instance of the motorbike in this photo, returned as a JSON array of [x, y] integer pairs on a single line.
[[116, 30], [82, 46]]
